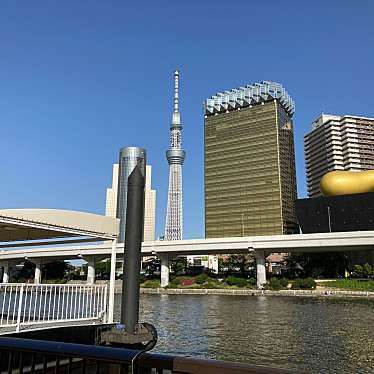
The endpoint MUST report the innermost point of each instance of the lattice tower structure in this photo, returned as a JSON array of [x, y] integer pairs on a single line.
[[175, 156]]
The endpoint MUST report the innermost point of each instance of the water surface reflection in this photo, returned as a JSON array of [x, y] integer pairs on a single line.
[[318, 335]]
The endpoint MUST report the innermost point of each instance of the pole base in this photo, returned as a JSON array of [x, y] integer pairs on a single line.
[[144, 337]]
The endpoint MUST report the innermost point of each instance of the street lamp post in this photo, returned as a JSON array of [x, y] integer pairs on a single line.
[[329, 217]]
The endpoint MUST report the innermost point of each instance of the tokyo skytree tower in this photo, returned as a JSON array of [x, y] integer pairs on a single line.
[[175, 156]]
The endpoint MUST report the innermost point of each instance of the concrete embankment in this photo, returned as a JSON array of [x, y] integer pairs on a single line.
[[250, 292], [321, 291]]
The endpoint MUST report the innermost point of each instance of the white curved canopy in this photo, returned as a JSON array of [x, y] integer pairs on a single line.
[[39, 224]]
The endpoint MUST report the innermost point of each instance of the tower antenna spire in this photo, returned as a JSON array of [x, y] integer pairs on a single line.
[[176, 91]]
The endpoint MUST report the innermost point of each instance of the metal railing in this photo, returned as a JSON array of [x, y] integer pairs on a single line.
[[23, 304], [18, 356]]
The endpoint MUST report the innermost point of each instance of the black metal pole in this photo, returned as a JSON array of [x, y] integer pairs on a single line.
[[132, 254]]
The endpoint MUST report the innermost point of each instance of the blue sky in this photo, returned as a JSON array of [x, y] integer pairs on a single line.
[[80, 79]]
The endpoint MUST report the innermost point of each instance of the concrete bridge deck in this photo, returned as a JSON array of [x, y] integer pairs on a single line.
[[260, 245], [337, 241]]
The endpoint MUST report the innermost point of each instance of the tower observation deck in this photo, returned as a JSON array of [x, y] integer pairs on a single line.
[[175, 156]]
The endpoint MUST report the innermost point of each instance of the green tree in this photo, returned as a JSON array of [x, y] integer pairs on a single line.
[[221, 265], [102, 269], [274, 284], [179, 266], [74, 273], [304, 284], [367, 270], [327, 265], [234, 281], [238, 264], [151, 266], [24, 271], [55, 270], [358, 271], [202, 278]]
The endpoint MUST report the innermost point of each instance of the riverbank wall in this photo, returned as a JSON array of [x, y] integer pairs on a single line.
[[253, 292], [321, 291]]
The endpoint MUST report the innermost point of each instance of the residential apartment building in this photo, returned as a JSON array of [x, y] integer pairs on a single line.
[[337, 143]]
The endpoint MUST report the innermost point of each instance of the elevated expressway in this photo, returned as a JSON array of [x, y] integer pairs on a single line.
[[260, 245]]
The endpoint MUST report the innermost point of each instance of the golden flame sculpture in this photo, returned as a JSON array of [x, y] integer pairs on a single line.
[[347, 182]]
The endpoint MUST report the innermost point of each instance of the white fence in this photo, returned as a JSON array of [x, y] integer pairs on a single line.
[[23, 304]]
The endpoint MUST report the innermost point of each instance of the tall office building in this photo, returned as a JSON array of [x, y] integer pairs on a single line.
[[337, 143], [149, 203], [129, 157], [149, 207], [250, 179], [111, 194], [175, 156]]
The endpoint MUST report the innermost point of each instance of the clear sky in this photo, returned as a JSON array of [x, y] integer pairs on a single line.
[[80, 79]]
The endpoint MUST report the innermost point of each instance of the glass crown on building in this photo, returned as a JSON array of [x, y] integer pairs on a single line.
[[249, 95]]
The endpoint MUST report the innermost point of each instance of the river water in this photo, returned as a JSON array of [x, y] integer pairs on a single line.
[[315, 335]]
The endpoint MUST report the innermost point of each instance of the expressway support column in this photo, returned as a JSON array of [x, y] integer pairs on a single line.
[[90, 269], [38, 270], [260, 268], [112, 281], [164, 270], [5, 266]]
